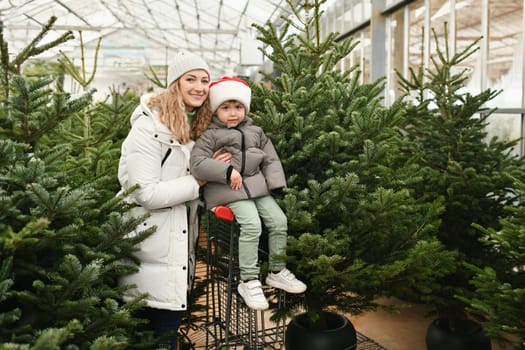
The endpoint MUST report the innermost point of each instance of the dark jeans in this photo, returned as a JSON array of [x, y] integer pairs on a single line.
[[162, 321]]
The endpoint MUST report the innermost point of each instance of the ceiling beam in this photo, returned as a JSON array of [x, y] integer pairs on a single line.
[[100, 28], [72, 12], [213, 31]]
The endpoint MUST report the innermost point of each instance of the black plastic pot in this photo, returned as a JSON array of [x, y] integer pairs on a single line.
[[439, 337], [340, 334]]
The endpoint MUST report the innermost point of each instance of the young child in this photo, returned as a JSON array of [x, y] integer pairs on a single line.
[[244, 185]]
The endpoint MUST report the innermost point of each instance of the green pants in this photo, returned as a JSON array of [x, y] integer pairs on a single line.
[[248, 214]]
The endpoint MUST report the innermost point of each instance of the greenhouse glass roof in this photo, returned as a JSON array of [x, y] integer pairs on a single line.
[[139, 34]]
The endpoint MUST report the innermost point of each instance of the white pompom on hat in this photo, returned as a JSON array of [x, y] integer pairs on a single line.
[[183, 62], [227, 89]]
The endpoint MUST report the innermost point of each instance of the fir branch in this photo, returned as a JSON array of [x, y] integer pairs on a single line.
[[32, 49], [79, 74], [155, 78]]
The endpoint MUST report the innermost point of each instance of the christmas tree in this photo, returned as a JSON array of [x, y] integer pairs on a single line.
[[62, 230], [356, 232], [499, 295], [472, 175]]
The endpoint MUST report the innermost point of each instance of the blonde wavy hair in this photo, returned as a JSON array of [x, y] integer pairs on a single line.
[[172, 113]]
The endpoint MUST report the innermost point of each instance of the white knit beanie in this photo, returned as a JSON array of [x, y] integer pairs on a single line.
[[230, 88], [183, 62]]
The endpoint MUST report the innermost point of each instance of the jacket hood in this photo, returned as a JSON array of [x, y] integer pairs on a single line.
[[141, 108]]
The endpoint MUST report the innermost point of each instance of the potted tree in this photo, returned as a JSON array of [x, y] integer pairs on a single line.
[[499, 291], [471, 174], [356, 232]]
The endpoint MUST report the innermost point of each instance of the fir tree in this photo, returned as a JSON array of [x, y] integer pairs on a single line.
[[355, 232], [499, 295], [473, 176], [63, 233], [97, 154]]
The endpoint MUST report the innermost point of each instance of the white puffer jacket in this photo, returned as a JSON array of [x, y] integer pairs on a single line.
[[154, 159]]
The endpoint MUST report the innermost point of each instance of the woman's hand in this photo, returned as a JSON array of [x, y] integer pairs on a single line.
[[235, 180], [224, 157]]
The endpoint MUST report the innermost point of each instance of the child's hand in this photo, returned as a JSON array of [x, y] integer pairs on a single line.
[[223, 157], [235, 180]]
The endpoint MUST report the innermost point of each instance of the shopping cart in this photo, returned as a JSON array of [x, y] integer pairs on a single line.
[[231, 323], [228, 323]]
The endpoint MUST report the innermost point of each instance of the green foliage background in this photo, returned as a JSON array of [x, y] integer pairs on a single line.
[[62, 229], [357, 231]]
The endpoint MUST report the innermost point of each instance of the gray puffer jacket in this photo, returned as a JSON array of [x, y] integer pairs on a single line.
[[253, 155]]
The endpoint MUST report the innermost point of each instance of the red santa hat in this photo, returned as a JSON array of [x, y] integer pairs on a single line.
[[227, 89]]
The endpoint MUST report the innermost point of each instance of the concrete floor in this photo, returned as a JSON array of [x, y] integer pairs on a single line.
[[405, 330]]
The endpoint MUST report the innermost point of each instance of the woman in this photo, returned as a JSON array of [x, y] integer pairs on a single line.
[[155, 156]]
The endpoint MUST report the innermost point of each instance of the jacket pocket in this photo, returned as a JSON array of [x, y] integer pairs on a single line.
[[155, 248]]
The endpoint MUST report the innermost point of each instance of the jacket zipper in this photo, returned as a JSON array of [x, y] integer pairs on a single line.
[[168, 152], [243, 160]]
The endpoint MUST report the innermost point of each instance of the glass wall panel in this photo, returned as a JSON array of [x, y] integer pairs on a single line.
[[346, 63], [505, 56], [344, 16], [339, 21], [395, 53], [328, 25], [439, 17], [347, 18], [505, 127], [415, 40], [338, 17], [468, 29], [367, 9], [358, 55], [366, 47], [505, 66], [361, 11], [345, 26]]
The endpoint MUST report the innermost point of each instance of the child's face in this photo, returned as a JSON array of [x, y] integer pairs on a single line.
[[231, 113]]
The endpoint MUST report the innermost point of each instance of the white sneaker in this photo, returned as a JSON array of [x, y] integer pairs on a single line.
[[253, 295], [286, 281]]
